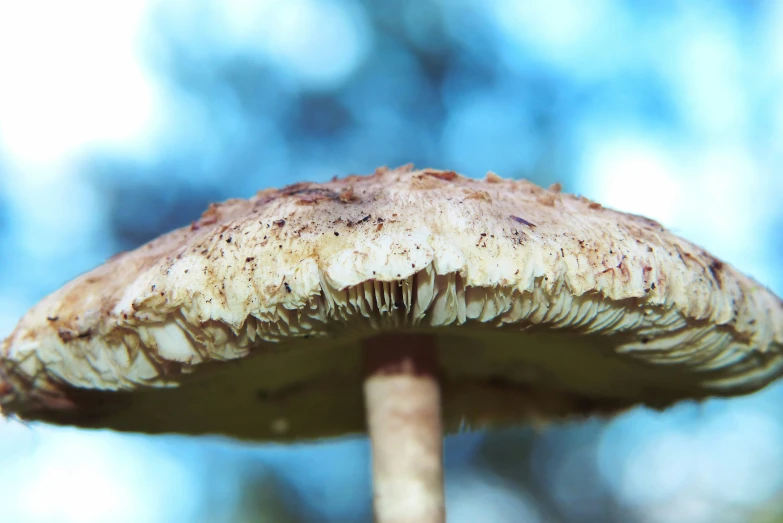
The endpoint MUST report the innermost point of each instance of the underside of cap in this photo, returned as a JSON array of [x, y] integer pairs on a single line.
[[250, 322]]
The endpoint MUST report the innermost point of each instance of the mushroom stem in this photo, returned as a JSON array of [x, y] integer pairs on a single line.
[[402, 399]]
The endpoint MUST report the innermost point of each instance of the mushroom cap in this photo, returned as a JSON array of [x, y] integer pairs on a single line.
[[250, 322]]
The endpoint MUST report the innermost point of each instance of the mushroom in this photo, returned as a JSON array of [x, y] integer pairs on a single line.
[[404, 303]]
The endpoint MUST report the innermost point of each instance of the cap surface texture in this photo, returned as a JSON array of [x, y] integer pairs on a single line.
[[249, 322]]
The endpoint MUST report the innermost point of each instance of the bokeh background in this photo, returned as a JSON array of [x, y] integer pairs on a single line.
[[122, 120]]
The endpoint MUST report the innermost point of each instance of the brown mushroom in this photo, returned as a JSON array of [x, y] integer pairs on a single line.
[[448, 301]]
